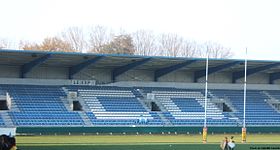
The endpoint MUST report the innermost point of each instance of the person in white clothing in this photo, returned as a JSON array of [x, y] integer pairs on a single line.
[[231, 143]]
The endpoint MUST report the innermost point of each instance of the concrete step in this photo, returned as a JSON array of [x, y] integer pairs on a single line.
[[7, 119], [165, 121], [85, 118]]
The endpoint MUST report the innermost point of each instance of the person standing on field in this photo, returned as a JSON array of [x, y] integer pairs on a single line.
[[224, 144], [231, 143]]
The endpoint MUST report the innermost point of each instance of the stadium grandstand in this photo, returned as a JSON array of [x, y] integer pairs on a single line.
[[45, 91]]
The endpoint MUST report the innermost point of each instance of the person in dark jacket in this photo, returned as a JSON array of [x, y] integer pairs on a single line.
[[4, 142]]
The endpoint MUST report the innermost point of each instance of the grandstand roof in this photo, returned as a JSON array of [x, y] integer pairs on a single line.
[[162, 65]]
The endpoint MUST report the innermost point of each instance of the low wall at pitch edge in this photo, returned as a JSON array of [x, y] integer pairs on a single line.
[[138, 130]]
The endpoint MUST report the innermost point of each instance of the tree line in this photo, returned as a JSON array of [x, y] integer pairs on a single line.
[[101, 39]]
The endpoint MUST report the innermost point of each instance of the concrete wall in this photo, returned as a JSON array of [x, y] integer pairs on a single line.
[[48, 73], [144, 84], [9, 71], [104, 75], [177, 76], [259, 78], [100, 75], [220, 77], [277, 81], [28, 81], [136, 75], [197, 85]]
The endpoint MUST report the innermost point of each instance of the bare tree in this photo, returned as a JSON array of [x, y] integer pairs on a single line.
[[170, 44], [5, 44], [48, 44], [214, 50], [144, 42], [188, 49], [99, 36], [101, 39], [76, 38], [27, 45]]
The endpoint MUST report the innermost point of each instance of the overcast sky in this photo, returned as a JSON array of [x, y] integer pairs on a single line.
[[233, 23]]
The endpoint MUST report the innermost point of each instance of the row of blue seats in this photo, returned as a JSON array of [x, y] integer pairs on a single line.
[[41, 106], [2, 123], [257, 110], [32, 124], [45, 116], [27, 95], [126, 110], [119, 102], [44, 113]]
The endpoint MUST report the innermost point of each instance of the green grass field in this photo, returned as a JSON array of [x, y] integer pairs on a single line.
[[142, 142]]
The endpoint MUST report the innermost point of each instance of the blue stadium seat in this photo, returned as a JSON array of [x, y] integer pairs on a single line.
[[40, 106], [123, 106]]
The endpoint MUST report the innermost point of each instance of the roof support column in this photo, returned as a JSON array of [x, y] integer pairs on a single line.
[[31, 65], [120, 70], [77, 68]]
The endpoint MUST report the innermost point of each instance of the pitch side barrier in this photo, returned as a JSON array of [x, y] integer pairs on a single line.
[[137, 130]]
